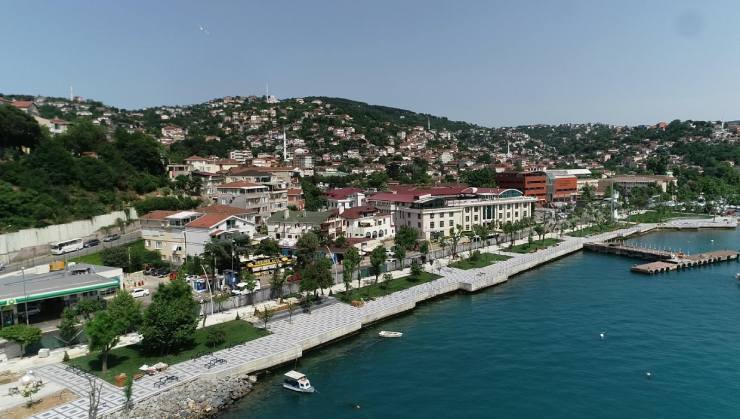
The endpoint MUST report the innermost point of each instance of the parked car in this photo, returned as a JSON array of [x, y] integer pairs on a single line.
[[139, 292], [162, 272], [91, 243], [150, 271], [111, 237]]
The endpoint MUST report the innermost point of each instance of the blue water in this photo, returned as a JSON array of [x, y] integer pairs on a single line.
[[531, 348]]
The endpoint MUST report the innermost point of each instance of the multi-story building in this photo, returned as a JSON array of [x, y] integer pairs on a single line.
[[344, 198], [288, 226], [240, 155], [178, 234], [247, 195], [561, 187], [529, 183], [210, 164], [435, 211], [367, 222], [629, 182], [295, 198]]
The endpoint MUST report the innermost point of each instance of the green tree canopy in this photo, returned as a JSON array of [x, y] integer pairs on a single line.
[[171, 319]]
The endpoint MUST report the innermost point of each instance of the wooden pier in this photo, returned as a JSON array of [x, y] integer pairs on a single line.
[[662, 261]]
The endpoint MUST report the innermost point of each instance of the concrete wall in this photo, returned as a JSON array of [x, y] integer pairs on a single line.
[[11, 244]]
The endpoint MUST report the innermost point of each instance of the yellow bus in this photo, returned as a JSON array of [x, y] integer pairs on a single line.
[[265, 264]]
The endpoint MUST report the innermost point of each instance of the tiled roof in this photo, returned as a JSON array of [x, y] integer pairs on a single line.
[[358, 212], [301, 217], [342, 193], [208, 220]]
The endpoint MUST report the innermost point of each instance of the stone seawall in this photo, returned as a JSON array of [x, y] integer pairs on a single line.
[[202, 397]]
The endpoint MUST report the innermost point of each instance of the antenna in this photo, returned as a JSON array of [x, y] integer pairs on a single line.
[[285, 146]]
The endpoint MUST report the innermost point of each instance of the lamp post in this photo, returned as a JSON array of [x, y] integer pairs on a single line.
[[25, 296]]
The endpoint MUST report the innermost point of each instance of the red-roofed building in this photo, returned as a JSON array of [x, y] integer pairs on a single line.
[[369, 222], [26, 106], [217, 224], [344, 198]]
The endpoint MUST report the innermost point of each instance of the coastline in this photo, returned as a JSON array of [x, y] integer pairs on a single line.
[[337, 321]]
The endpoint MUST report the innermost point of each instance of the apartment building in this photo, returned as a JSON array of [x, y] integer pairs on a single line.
[[435, 210], [286, 226], [532, 183]]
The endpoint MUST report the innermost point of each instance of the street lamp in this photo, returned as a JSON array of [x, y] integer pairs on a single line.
[[25, 296], [208, 284]]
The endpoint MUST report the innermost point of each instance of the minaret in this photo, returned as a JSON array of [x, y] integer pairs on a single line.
[[285, 146], [429, 124], [71, 94], [267, 89], [508, 150]]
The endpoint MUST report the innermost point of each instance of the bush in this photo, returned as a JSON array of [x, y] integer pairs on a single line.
[[21, 334], [415, 270], [215, 336], [475, 256]]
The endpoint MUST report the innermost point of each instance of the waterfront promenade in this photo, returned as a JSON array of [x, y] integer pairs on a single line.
[[289, 339]]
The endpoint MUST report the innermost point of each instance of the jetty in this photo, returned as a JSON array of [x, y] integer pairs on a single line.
[[662, 260]]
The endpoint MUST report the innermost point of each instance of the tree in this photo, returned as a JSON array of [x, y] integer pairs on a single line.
[[268, 247], [265, 315], [94, 394], [352, 260], [85, 308], [128, 391], [377, 259], [126, 310], [17, 129], [406, 237], [400, 253], [482, 231], [455, 236], [306, 248], [540, 230], [291, 309], [424, 249], [21, 334], [69, 326], [215, 335], [323, 274], [171, 319], [347, 279], [103, 332], [248, 278], [276, 283], [587, 193]]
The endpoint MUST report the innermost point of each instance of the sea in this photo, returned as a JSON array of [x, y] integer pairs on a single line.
[[532, 348]]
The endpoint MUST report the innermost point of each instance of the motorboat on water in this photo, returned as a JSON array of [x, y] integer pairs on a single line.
[[297, 381], [737, 276], [389, 334]]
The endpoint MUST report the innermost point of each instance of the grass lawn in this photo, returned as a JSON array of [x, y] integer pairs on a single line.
[[128, 359], [661, 216], [384, 288], [483, 260], [97, 257], [598, 229], [534, 246]]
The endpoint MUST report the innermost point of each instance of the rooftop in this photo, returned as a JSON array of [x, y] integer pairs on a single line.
[[77, 278], [301, 217]]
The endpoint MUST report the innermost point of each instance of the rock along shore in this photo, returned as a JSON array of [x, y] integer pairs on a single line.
[[203, 397]]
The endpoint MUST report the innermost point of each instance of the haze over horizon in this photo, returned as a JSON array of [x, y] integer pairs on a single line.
[[490, 63]]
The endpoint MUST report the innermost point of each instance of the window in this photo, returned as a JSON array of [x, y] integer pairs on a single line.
[[475, 218], [147, 243], [450, 214], [431, 215], [158, 244], [431, 225], [441, 223], [467, 210], [467, 218], [419, 224]]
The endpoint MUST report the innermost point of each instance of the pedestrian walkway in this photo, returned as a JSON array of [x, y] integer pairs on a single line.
[[291, 337]]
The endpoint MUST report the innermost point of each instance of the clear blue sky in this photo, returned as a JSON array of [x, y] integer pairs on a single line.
[[490, 62]]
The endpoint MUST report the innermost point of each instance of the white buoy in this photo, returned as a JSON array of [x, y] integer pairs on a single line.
[[649, 375], [602, 334]]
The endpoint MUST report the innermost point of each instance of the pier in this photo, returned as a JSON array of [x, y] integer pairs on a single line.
[[662, 260]]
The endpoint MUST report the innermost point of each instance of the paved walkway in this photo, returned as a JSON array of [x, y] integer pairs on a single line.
[[290, 338]]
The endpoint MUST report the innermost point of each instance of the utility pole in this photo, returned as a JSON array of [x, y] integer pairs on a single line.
[[25, 295]]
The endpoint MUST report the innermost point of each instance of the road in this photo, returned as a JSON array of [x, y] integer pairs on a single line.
[[48, 258]]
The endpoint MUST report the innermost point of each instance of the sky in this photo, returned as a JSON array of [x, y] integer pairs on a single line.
[[495, 63]]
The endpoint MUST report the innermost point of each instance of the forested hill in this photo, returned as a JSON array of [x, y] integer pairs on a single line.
[[85, 172]]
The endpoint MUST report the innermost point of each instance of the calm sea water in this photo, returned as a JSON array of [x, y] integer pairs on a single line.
[[531, 348]]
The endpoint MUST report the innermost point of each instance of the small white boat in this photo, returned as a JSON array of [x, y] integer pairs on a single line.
[[389, 334], [737, 276], [297, 381]]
